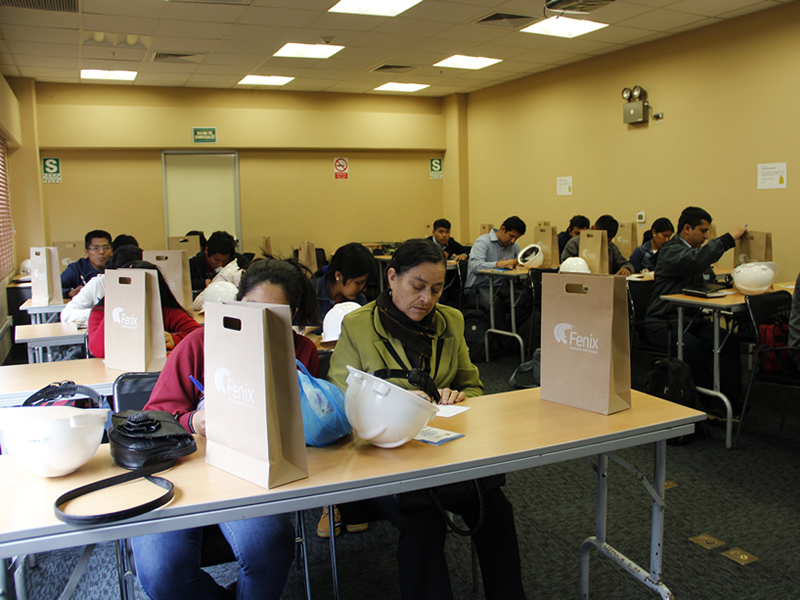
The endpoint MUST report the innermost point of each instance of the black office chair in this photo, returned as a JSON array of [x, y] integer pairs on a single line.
[[131, 391], [639, 293], [764, 309]]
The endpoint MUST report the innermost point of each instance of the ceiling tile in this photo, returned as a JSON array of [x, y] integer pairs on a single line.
[[751, 9], [51, 35], [130, 54], [247, 61], [328, 20], [449, 12], [183, 45], [710, 8], [661, 20], [618, 34], [387, 40], [195, 11], [277, 17], [416, 26], [195, 29], [39, 18], [259, 33], [478, 34], [39, 49], [148, 9], [119, 24]]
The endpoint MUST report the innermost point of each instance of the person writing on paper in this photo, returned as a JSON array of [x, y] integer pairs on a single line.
[[684, 261], [451, 248], [177, 322], [617, 263], [406, 329], [168, 564], [80, 307], [497, 249], [218, 252], [577, 224], [78, 273], [644, 257], [345, 277]]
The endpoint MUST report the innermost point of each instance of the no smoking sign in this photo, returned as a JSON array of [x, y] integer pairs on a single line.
[[341, 168]]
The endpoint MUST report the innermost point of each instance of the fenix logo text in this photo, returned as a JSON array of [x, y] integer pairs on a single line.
[[243, 395], [127, 321], [589, 255], [565, 334]]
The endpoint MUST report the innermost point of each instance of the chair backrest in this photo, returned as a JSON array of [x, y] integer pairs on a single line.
[[764, 307], [639, 293], [324, 363], [132, 390]]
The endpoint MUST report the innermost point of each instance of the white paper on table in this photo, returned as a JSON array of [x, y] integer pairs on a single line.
[[450, 410]]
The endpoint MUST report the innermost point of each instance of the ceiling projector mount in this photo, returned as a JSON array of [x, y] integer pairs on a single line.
[[580, 7]]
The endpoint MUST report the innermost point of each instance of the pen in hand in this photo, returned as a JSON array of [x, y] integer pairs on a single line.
[[197, 384]]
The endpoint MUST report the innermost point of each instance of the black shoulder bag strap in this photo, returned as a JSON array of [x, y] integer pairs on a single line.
[[145, 472], [416, 377]]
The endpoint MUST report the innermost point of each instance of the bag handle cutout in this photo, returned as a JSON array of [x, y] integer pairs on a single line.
[[232, 323], [576, 288]]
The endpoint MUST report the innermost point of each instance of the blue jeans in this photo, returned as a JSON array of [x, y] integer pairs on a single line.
[[168, 564]]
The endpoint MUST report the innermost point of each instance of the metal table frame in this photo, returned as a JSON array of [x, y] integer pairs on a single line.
[[511, 276]]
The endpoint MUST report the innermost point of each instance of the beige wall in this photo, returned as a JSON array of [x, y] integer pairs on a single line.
[[726, 93]]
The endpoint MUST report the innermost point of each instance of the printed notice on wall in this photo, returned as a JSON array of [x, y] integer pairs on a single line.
[[51, 170], [564, 186], [772, 176], [341, 168], [436, 168]]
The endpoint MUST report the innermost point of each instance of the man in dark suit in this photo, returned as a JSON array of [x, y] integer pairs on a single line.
[[453, 251]]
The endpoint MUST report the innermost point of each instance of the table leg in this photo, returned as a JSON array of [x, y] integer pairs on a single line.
[[680, 333], [491, 318], [513, 333]]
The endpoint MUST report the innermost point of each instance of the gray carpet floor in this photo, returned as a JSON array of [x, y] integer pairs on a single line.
[[747, 498]]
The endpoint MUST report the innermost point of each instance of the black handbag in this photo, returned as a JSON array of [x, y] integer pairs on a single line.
[[146, 441], [445, 496]]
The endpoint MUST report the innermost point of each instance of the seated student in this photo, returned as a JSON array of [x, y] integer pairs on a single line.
[[78, 273], [429, 336], [452, 251], [794, 322], [497, 249], [617, 263], [577, 224], [201, 236], [345, 277], [218, 252], [684, 261], [177, 322], [644, 257], [168, 564], [78, 309]]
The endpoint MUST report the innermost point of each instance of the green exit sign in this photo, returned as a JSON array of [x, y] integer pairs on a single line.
[[204, 135]]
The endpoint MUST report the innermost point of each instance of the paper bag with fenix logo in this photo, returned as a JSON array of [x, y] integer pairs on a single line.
[[626, 238], [69, 252], [134, 326], [585, 342], [174, 266], [266, 246], [486, 228], [753, 246], [254, 419], [594, 250], [45, 276], [190, 243], [307, 255], [547, 239]]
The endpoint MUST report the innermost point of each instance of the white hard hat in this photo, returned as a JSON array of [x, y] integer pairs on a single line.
[[52, 441], [25, 267], [382, 413], [332, 324], [574, 264], [531, 256], [754, 278], [220, 291]]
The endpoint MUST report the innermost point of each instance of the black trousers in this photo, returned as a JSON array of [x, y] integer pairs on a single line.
[[698, 353], [420, 551]]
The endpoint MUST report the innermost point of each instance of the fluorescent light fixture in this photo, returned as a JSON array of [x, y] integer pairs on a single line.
[[264, 80], [564, 27], [108, 75], [378, 8], [458, 61], [393, 86], [308, 51]]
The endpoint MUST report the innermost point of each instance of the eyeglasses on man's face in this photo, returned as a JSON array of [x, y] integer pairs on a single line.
[[100, 248]]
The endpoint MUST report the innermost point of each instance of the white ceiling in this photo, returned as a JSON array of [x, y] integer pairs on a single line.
[[228, 39]]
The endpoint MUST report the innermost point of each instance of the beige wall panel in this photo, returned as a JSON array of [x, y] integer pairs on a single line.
[[293, 197], [722, 90], [115, 190]]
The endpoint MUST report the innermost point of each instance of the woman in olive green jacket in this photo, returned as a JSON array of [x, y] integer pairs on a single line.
[[406, 329]]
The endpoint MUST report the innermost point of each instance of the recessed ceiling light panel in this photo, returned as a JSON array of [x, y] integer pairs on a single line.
[[564, 27], [308, 51], [264, 80], [108, 75], [393, 86], [378, 8], [458, 61]]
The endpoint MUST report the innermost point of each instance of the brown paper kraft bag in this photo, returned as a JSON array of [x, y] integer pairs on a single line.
[[585, 342], [254, 421], [593, 249], [266, 246], [134, 326], [307, 255], [190, 243], [69, 252], [547, 238], [45, 277], [486, 228], [753, 246], [626, 238], [174, 266]]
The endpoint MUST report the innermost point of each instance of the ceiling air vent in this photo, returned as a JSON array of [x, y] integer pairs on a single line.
[[507, 21], [69, 6], [576, 6], [177, 58], [393, 69]]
